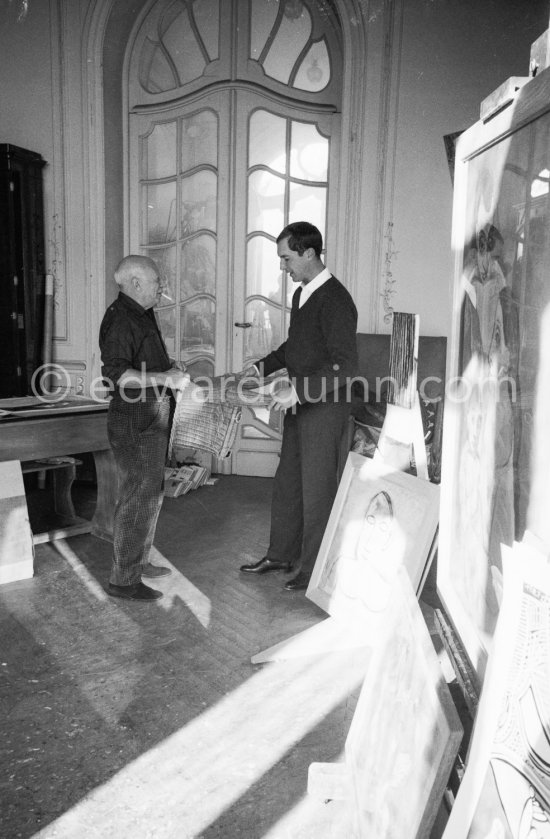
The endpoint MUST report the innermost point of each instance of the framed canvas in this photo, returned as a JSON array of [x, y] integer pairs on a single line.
[[381, 519], [501, 224], [405, 732], [505, 792]]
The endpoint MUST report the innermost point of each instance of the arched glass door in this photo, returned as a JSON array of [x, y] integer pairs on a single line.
[[230, 138]]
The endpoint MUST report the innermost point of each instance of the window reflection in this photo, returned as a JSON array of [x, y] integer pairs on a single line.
[[302, 188], [291, 38], [198, 266], [197, 327]]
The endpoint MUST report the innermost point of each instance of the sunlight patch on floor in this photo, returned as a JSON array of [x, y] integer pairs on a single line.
[[87, 579], [178, 587], [186, 782]]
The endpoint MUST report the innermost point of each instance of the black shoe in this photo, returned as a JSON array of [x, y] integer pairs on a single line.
[[298, 583], [139, 591], [150, 570], [264, 565]]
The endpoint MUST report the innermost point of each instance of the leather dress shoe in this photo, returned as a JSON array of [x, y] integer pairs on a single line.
[[264, 565], [298, 583], [138, 591], [150, 570]]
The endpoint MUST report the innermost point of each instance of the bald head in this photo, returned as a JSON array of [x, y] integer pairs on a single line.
[[138, 277]]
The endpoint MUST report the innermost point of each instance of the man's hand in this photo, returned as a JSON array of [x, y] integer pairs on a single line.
[[250, 372], [284, 398], [177, 379]]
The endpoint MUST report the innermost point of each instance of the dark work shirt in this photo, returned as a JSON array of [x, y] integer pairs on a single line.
[[320, 352], [129, 338]]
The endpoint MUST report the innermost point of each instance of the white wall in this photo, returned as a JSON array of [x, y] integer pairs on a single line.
[[25, 71], [455, 53]]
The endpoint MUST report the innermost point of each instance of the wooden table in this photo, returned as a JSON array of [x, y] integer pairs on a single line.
[[74, 426]]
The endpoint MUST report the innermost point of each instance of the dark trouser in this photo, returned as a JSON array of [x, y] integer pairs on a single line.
[[306, 481], [138, 433]]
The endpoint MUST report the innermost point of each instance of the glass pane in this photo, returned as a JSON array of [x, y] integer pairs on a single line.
[[265, 333], [309, 153], [267, 143], [272, 420], [167, 321], [262, 18], [207, 18], [199, 143], [155, 73], [314, 72], [262, 269], [289, 42], [309, 203], [198, 202], [198, 266], [160, 151], [181, 44], [198, 326], [160, 213], [266, 201], [166, 262]]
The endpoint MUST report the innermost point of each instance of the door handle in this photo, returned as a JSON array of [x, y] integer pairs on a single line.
[[243, 325]]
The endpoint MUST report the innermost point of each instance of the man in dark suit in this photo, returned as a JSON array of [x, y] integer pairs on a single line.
[[320, 355]]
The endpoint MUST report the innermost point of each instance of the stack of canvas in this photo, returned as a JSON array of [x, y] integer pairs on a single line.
[[183, 479]]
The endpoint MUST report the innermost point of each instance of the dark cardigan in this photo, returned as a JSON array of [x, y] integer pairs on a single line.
[[320, 352]]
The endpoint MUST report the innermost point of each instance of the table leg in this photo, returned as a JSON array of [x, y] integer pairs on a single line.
[[107, 495], [62, 482]]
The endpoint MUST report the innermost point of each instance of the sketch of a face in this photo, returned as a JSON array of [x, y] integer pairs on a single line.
[[374, 537], [368, 574], [377, 527]]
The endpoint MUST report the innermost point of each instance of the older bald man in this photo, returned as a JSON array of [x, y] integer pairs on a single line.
[[142, 380]]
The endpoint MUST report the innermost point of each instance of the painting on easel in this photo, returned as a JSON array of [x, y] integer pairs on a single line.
[[405, 731], [381, 519], [500, 226]]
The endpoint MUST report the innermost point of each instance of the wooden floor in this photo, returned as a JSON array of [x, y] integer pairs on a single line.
[[141, 720], [138, 720]]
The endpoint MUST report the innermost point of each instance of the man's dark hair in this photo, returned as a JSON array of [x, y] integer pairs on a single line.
[[302, 235]]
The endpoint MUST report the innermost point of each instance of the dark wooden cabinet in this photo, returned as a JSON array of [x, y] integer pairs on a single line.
[[22, 269]]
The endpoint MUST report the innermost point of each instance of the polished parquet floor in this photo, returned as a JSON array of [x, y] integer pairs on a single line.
[[135, 720]]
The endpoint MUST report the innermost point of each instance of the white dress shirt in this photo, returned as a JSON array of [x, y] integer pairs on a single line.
[[313, 285]]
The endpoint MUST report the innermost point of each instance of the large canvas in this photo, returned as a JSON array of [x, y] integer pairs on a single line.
[[505, 793], [501, 238], [381, 519], [405, 732]]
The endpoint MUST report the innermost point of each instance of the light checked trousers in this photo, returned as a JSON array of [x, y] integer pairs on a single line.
[[138, 433]]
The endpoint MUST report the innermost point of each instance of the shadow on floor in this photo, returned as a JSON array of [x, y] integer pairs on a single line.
[[148, 720]]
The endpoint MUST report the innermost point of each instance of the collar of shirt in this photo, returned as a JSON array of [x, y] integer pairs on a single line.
[[313, 285], [132, 304]]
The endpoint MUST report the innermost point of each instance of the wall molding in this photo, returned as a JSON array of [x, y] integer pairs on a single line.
[[386, 151], [55, 211]]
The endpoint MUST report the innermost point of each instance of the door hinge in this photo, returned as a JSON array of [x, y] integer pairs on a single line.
[[15, 280]]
